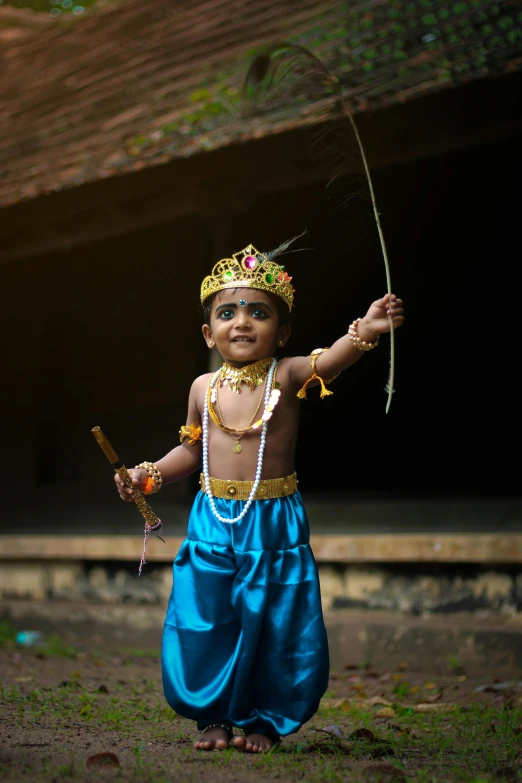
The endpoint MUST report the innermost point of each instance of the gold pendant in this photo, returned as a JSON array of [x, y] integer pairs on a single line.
[[236, 448]]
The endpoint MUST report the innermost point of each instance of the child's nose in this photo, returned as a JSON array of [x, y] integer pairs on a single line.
[[243, 318]]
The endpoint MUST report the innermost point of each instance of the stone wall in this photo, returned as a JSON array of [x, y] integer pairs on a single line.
[[409, 589]]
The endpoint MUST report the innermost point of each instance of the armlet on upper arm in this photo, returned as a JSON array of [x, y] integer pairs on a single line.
[[191, 431], [324, 391]]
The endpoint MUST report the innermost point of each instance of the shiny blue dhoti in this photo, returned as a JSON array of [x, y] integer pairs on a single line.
[[244, 640]]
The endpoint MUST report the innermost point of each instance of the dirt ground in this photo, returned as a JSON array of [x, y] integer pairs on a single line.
[[70, 714]]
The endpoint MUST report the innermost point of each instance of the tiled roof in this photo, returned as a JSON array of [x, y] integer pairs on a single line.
[[147, 81]]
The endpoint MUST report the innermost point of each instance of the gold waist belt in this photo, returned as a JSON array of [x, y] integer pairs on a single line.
[[240, 490]]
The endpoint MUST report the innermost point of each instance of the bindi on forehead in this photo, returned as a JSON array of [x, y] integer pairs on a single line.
[[234, 297]]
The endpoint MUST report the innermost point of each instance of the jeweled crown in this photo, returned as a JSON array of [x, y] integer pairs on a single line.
[[248, 268]]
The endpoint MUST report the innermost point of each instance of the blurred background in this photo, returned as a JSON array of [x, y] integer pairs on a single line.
[[127, 170]]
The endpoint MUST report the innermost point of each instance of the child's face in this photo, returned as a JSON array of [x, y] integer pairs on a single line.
[[244, 326]]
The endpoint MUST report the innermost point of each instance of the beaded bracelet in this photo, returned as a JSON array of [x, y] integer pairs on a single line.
[[155, 479], [362, 345]]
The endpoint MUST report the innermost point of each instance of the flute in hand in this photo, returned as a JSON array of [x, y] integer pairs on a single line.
[[152, 522]]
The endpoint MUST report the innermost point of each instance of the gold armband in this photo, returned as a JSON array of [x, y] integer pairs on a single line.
[[324, 391], [191, 431]]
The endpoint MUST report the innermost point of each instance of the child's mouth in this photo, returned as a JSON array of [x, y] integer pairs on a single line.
[[242, 340]]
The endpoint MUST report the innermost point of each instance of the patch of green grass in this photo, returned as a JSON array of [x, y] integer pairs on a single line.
[[55, 647], [472, 744], [7, 633], [139, 653], [454, 665], [401, 690]]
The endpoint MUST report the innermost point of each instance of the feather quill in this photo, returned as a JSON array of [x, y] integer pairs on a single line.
[[281, 72]]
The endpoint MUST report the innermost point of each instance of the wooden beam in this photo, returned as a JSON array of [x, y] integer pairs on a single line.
[[487, 548]]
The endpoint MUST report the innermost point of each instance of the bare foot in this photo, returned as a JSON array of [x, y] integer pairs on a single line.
[[253, 743], [215, 738]]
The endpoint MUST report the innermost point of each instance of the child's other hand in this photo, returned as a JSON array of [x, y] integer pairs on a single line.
[[377, 319], [139, 478]]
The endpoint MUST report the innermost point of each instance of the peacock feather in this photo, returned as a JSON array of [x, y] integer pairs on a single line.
[[282, 73]]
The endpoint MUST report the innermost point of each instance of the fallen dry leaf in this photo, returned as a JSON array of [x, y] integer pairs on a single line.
[[333, 730], [380, 700], [363, 733], [435, 709], [404, 730], [336, 704], [433, 698], [103, 759], [28, 678], [358, 704], [385, 712], [498, 686]]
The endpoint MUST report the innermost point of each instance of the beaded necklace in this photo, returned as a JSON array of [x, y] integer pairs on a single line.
[[262, 443]]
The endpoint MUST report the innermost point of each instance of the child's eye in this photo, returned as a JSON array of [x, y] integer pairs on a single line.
[[226, 314], [258, 313]]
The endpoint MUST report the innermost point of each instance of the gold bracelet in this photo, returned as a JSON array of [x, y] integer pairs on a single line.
[[324, 391], [154, 476], [362, 345]]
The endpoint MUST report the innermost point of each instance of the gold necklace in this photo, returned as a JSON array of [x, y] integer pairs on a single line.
[[275, 394], [238, 434], [251, 374]]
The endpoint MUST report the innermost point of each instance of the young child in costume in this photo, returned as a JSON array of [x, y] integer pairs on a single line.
[[244, 641]]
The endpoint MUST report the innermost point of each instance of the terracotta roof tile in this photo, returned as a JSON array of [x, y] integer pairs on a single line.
[[145, 82]]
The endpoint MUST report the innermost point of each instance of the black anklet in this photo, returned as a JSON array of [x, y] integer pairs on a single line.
[[228, 728]]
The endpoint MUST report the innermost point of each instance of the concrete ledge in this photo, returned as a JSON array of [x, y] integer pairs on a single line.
[[482, 646], [330, 548]]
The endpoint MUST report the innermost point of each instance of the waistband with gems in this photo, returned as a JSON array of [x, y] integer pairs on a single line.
[[240, 490]]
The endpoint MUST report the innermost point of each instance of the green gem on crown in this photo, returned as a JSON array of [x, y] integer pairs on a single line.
[[269, 278], [228, 276]]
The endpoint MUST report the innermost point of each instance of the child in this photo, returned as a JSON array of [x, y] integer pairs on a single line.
[[244, 642]]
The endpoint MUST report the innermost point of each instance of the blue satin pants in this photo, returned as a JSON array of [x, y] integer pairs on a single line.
[[244, 640]]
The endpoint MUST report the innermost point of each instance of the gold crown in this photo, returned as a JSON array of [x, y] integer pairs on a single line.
[[248, 268]]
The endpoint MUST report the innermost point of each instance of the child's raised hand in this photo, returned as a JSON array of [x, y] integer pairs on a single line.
[[377, 319], [139, 478]]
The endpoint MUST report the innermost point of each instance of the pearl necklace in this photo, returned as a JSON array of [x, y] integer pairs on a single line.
[[262, 443]]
